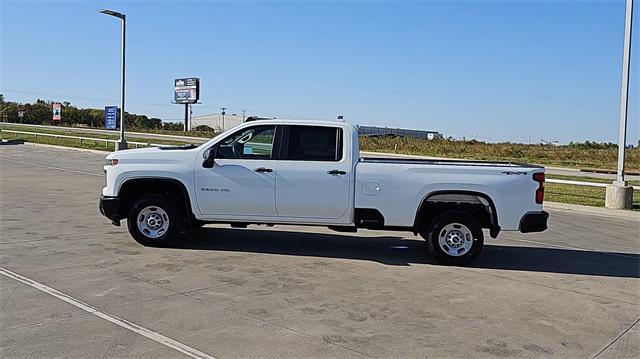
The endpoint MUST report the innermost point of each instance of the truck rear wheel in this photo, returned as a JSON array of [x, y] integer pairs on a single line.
[[454, 238], [154, 220]]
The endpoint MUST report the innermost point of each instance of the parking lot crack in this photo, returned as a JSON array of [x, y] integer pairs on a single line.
[[80, 236], [549, 286], [74, 316], [254, 278], [157, 285], [303, 334], [617, 338], [187, 293]]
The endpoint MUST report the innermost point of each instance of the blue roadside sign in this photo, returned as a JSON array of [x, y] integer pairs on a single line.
[[110, 117]]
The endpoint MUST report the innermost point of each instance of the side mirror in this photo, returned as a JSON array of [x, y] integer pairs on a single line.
[[209, 157]]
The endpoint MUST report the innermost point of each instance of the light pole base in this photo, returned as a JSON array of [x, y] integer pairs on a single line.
[[121, 145], [619, 196]]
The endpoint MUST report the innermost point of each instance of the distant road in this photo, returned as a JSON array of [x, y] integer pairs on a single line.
[[576, 172], [198, 140]]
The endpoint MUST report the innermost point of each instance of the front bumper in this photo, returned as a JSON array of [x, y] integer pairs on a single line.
[[534, 222], [110, 208]]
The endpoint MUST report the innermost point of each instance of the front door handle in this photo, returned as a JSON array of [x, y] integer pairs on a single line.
[[337, 172], [263, 169]]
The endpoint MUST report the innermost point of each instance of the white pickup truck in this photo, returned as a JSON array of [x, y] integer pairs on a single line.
[[311, 173]]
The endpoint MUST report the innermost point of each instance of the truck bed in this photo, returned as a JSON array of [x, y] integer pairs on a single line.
[[397, 186]]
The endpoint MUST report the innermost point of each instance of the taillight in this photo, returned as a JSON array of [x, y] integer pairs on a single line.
[[539, 177]]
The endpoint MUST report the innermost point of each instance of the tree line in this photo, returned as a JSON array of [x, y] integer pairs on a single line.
[[40, 113]]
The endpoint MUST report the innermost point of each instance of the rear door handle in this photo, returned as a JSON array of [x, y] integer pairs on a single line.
[[263, 169], [337, 172]]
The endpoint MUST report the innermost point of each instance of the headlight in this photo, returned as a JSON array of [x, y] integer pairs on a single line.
[[111, 162]]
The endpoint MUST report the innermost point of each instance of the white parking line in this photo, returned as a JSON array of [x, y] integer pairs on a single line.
[[157, 337]]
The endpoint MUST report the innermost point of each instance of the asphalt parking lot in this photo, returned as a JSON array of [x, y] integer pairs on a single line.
[[73, 285]]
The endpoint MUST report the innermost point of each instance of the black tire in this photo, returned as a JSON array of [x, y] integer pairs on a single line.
[[172, 212], [456, 220]]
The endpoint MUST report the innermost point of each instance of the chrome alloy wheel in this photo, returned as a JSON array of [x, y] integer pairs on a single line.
[[153, 222], [455, 239]]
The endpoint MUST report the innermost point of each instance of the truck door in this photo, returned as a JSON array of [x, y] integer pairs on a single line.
[[313, 175], [242, 180]]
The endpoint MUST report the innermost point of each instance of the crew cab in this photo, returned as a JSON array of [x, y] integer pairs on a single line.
[[312, 173]]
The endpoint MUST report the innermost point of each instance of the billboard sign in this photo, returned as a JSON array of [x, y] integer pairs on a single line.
[[186, 90], [57, 111], [110, 117]]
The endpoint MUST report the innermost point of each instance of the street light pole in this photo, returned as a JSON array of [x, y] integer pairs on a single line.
[[121, 144], [618, 194], [624, 93]]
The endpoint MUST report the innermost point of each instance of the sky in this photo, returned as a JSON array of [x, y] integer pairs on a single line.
[[516, 71]]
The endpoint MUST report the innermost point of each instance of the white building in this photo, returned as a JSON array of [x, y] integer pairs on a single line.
[[215, 121]]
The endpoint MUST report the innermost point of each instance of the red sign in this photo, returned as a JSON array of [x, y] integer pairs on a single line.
[[57, 111]]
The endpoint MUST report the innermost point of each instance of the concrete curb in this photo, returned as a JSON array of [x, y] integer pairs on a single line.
[[592, 210], [67, 148]]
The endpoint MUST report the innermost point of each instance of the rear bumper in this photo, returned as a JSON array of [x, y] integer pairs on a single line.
[[534, 222], [110, 208]]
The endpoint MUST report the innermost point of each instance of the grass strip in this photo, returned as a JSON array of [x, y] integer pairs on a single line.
[[88, 144], [71, 132]]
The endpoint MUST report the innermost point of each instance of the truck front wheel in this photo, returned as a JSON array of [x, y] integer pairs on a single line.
[[154, 220], [454, 238]]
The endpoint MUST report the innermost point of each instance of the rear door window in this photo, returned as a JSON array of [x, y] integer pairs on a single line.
[[312, 143]]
